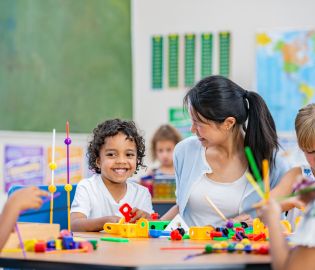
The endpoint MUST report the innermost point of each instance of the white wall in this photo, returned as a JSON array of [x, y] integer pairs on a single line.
[[243, 18]]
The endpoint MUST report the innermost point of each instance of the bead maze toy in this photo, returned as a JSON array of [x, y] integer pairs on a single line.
[[68, 186], [53, 167]]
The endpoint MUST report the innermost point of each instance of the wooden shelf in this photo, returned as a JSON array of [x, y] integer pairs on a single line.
[[163, 200]]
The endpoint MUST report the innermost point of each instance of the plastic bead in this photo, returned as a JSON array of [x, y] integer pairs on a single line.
[[64, 233], [67, 141], [94, 243], [244, 224], [231, 248], [239, 247], [245, 241], [263, 250], [217, 247], [40, 246], [230, 224], [52, 188], [248, 248], [155, 216], [68, 187], [52, 166], [181, 231], [208, 249], [175, 235]]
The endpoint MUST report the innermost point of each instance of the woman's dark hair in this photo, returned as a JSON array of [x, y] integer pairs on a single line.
[[164, 133], [111, 128], [215, 98]]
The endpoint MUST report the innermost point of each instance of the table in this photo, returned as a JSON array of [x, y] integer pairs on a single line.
[[138, 253]]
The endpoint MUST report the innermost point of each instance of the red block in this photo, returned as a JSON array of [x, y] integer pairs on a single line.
[[40, 246]]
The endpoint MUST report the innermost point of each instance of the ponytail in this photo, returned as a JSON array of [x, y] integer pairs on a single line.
[[260, 133]]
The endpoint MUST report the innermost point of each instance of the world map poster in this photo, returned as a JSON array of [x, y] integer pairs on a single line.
[[285, 73]]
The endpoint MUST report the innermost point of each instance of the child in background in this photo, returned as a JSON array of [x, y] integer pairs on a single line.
[[305, 132], [115, 154], [302, 256], [19, 201], [162, 147], [161, 180]]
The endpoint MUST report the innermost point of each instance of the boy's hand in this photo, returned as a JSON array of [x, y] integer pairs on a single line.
[[269, 211], [27, 198], [137, 214], [112, 219]]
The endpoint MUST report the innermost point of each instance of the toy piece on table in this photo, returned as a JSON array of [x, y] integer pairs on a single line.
[[155, 216], [239, 247], [177, 222], [200, 233], [158, 225], [138, 229], [61, 242], [113, 239], [158, 233], [175, 235], [125, 210]]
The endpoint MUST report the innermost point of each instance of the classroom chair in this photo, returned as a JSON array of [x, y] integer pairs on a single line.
[[42, 215]]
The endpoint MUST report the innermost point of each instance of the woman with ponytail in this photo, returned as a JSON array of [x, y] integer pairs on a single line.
[[212, 164]]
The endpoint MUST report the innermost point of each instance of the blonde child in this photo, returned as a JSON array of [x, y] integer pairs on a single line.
[[162, 146], [305, 132], [115, 154], [20, 200], [303, 254]]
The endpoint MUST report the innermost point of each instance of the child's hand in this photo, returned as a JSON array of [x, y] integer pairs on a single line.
[[244, 218], [304, 187], [112, 219], [269, 211], [291, 203], [27, 198], [137, 214]]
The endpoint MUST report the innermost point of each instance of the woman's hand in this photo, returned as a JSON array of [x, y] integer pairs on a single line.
[[243, 218]]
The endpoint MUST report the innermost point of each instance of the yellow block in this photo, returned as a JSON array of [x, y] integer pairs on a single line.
[[200, 233]]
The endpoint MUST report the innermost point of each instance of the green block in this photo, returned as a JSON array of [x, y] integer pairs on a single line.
[[112, 239], [220, 238], [94, 243], [158, 225]]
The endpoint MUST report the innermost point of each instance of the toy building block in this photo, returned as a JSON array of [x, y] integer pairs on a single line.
[[200, 233], [114, 228], [138, 229], [158, 225]]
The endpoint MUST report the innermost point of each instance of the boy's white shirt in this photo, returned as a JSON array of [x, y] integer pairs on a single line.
[[93, 199]]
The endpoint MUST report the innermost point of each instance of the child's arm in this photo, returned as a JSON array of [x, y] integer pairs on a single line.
[[170, 214], [278, 246], [80, 223], [285, 187], [20, 200]]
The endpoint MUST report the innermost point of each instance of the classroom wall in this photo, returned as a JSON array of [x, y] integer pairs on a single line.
[[64, 60], [243, 18]]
